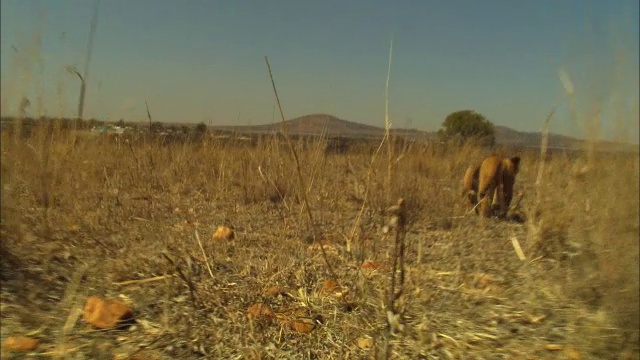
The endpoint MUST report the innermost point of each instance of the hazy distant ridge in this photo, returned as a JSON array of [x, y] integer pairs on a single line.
[[316, 124]]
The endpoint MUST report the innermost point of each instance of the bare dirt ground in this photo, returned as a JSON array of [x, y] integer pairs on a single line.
[[94, 218]]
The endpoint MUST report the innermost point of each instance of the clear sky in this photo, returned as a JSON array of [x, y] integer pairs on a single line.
[[203, 60]]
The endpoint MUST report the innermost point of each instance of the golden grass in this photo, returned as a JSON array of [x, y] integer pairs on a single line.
[[123, 211], [84, 215]]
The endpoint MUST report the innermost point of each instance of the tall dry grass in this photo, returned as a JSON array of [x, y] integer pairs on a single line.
[[584, 253]]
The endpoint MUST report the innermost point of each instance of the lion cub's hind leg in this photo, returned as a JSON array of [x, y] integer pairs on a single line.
[[487, 199], [498, 205], [470, 185], [489, 183]]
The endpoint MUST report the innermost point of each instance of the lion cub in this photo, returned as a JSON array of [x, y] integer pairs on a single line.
[[492, 183]]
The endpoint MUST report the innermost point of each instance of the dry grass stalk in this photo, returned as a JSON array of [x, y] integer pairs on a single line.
[[71, 299], [544, 143], [204, 254], [385, 138], [518, 248], [274, 186], [367, 190], [533, 222], [188, 280], [148, 113], [302, 187], [387, 127], [142, 281], [469, 212]]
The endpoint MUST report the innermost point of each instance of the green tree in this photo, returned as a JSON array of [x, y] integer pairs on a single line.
[[467, 126]]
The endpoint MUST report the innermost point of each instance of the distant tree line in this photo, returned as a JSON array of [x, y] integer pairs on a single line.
[[460, 127], [88, 124], [63, 123]]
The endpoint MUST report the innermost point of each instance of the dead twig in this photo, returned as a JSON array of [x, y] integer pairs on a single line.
[[187, 279], [204, 254], [470, 211], [148, 113], [142, 281]]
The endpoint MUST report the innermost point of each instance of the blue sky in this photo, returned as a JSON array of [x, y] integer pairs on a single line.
[[203, 60]]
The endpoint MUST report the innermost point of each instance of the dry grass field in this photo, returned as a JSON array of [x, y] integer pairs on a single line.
[[135, 220]]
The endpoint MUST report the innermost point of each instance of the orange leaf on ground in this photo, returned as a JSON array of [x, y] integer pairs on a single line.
[[304, 326], [260, 311], [223, 233], [19, 344], [105, 314], [330, 286]]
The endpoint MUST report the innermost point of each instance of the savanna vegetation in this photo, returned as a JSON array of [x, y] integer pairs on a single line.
[[167, 242], [134, 220]]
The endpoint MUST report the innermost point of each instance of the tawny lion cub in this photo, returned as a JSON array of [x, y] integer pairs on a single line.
[[492, 181]]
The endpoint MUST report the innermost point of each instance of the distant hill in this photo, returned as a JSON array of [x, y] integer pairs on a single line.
[[508, 136], [316, 124], [313, 124]]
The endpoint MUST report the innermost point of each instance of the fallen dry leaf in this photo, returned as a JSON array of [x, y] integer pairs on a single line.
[[19, 344], [304, 325], [105, 314], [261, 311], [330, 286], [365, 343], [553, 347], [275, 291], [223, 233], [372, 265]]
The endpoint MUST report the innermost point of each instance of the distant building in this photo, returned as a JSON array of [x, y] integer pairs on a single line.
[[108, 129]]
